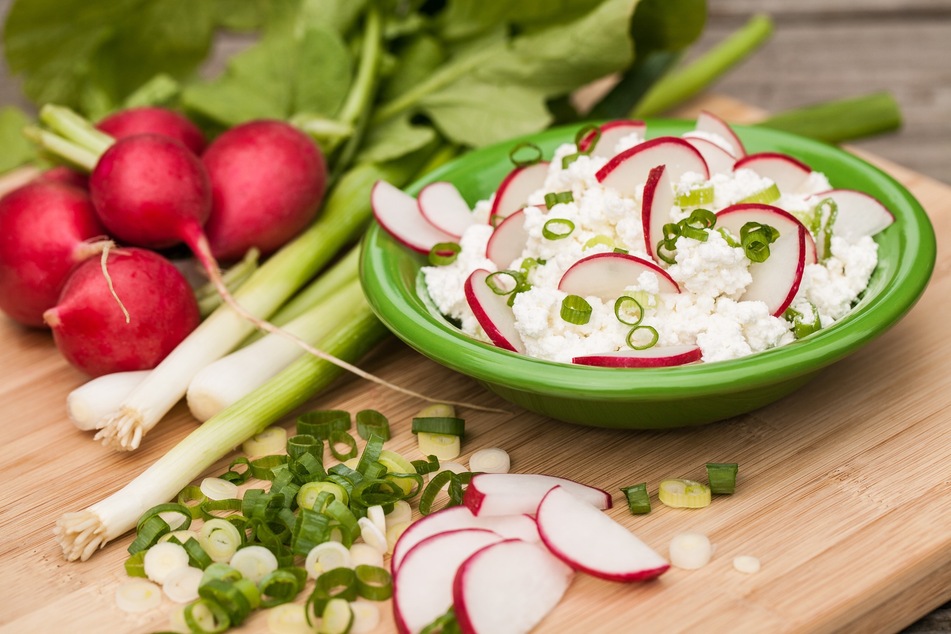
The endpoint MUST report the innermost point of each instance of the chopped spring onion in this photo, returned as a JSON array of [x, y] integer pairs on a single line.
[[282, 586], [372, 535], [335, 583], [327, 556], [322, 423], [204, 615], [638, 500], [690, 551], [695, 196], [628, 310], [557, 228], [599, 240], [765, 196], [503, 282], [682, 493], [746, 564], [135, 564], [451, 425], [642, 337], [95, 399], [220, 539], [826, 212], [443, 446], [490, 460], [162, 559], [401, 512], [270, 441], [369, 422], [377, 516], [374, 582], [310, 491], [181, 585], [254, 562], [393, 533], [448, 465], [803, 326], [179, 536], [722, 477], [444, 253], [366, 617], [558, 198], [756, 238], [363, 554], [337, 617], [191, 498], [288, 618], [218, 489], [525, 154], [138, 595], [575, 310], [339, 438], [437, 410]]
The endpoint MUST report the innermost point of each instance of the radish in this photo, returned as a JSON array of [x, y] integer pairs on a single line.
[[788, 173], [611, 134], [656, 203], [508, 240], [653, 357], [857, 213], [606, 275], [457, 517], [710, 125], [46, 228], [493, 312], [518, 493], [267, 181], [423, 584], [399, 214], [93, 333], [516, 187], [590, 541], [445, 208], [508, 588], [154, 120], [66, 175], [718, 160], [628, 170]]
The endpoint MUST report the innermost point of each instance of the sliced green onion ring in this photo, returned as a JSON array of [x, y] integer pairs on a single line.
[[628, 310], [702, 195], [206, 617], [281, 586], [220, 539], [599, 240], [444, 253], [452, 425], [148, 534], [343, 438], [557, 198], [557, 228], [334, 583], [722, 477], [299, 444], [493, 281], [135, 564], [575, 310], [321, 423], [638, 500], [369, 422], [637, 333], [191, 498], [530, 152], [373, 583]]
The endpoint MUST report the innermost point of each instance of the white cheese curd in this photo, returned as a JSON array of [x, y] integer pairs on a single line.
[[713, 275]]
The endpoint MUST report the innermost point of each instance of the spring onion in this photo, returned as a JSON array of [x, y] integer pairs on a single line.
[[366, 617], [269, 441], [690, 551], [451, 425], [254, 562], [369, 422], [695, 196], [746, 564], [218, 489], [206, 616], [362, 553], [599, 240], [138, 595], [443, 446], [628, 310], [444, 253], [803, 326], [525, 154], [756, 238], [558, 198], [161, 559], [337, 617], [683, 493], [207, 295], [490, 460], [638, 500], [393, 533], [766, 196], [502, 282], [220, 539], [89, 403], [181, 585], [288, 618], [722, 477], [557, 228], [575, 310], [642, 337], [373, 582], [327, 556]]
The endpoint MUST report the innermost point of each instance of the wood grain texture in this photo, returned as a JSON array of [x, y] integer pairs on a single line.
[[844, 490]]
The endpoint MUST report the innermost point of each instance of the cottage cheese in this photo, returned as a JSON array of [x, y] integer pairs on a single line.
[[712, 274]]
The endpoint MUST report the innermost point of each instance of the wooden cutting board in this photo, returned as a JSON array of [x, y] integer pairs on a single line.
[[844, 489]]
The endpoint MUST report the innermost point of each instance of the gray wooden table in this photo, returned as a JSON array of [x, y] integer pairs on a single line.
[[822, 50]]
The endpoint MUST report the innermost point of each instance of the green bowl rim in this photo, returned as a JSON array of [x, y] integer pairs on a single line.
[[399, 307]]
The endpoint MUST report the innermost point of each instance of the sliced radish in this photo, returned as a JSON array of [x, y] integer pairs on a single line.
[[518, 493], [445, 208], [709, 123], [611, 134], [606, 275], [398, 213], [858, 214], [788, 173], [514, 190], [811, 256], [507, 240], [718, 160], [654, 357], [457, 517], [655, 208], [775, 281], [492, 312], [626, 171], [423, 585], [508, 588], [589, 540]]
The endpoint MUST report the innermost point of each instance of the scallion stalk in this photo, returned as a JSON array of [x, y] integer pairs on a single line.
[[840, 120]]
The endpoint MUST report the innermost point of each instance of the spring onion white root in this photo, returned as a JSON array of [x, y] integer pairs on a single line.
[[80, 534], [89, 404], [231, 377]]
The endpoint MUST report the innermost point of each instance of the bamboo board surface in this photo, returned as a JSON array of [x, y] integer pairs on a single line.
[[844, 491]]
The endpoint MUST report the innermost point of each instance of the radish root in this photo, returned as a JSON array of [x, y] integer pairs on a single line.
[[103, 262]]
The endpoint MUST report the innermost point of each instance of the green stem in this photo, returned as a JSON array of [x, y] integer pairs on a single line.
[[76, 128], [680, 85], [62, 148], [841, 120]]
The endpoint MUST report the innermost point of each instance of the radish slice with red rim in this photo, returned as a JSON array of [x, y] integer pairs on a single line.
[[611, 134], [516, 493], [788, 173], [656, 204], [398, 213], [718, 160], [606, 275], [508, 240], [493, 312], [857, 213], [709, 123], [653, 357], [626, 171], [444, 207], [515, 189]]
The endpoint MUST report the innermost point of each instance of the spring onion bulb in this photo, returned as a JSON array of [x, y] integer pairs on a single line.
[[181, 585], [207, 295], [327, 556], [681, 493], [220, 539], [223, 382], [362, 553], [162, 559], [690, 551], [269, 442], [491, 460], [746, 564], [443, 446], [254, 562], [376, 515], [401, 512], [138, 595], [372, 535], [366, 617], [218, 489], [288, 618], [95, 399], [337, 617]]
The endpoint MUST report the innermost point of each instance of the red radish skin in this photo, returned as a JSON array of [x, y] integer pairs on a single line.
[[66, 175], [787, 172], [656, 203], [611, 133], [90, 328], [709, 123], [507, 240], [445, 208], [267, 180], [514, 493], [626, 171], [46, 229], [606, 275], [154, 120], [514, 190], [492, 312], [654, 357]]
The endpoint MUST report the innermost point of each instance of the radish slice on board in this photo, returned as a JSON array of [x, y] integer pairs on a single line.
[[657, 201], [508, 588], [611, 134], [653, 357], [626, 171], [398, 213], [516, 493], [709, 123], [606, 275], [493, 312], [590, 541], [445, 208], [718, 160], [858, 214], [508, 240], [514, 190], [457, 517], [775, 281], [788, 173], [423, 584]]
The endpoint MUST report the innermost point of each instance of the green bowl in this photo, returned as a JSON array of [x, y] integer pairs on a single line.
[[656, 397]]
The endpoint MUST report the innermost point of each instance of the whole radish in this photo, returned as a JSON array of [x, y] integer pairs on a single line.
[[91, 329], [154, 120], [46, 229], [268, 179], [64, 174]]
